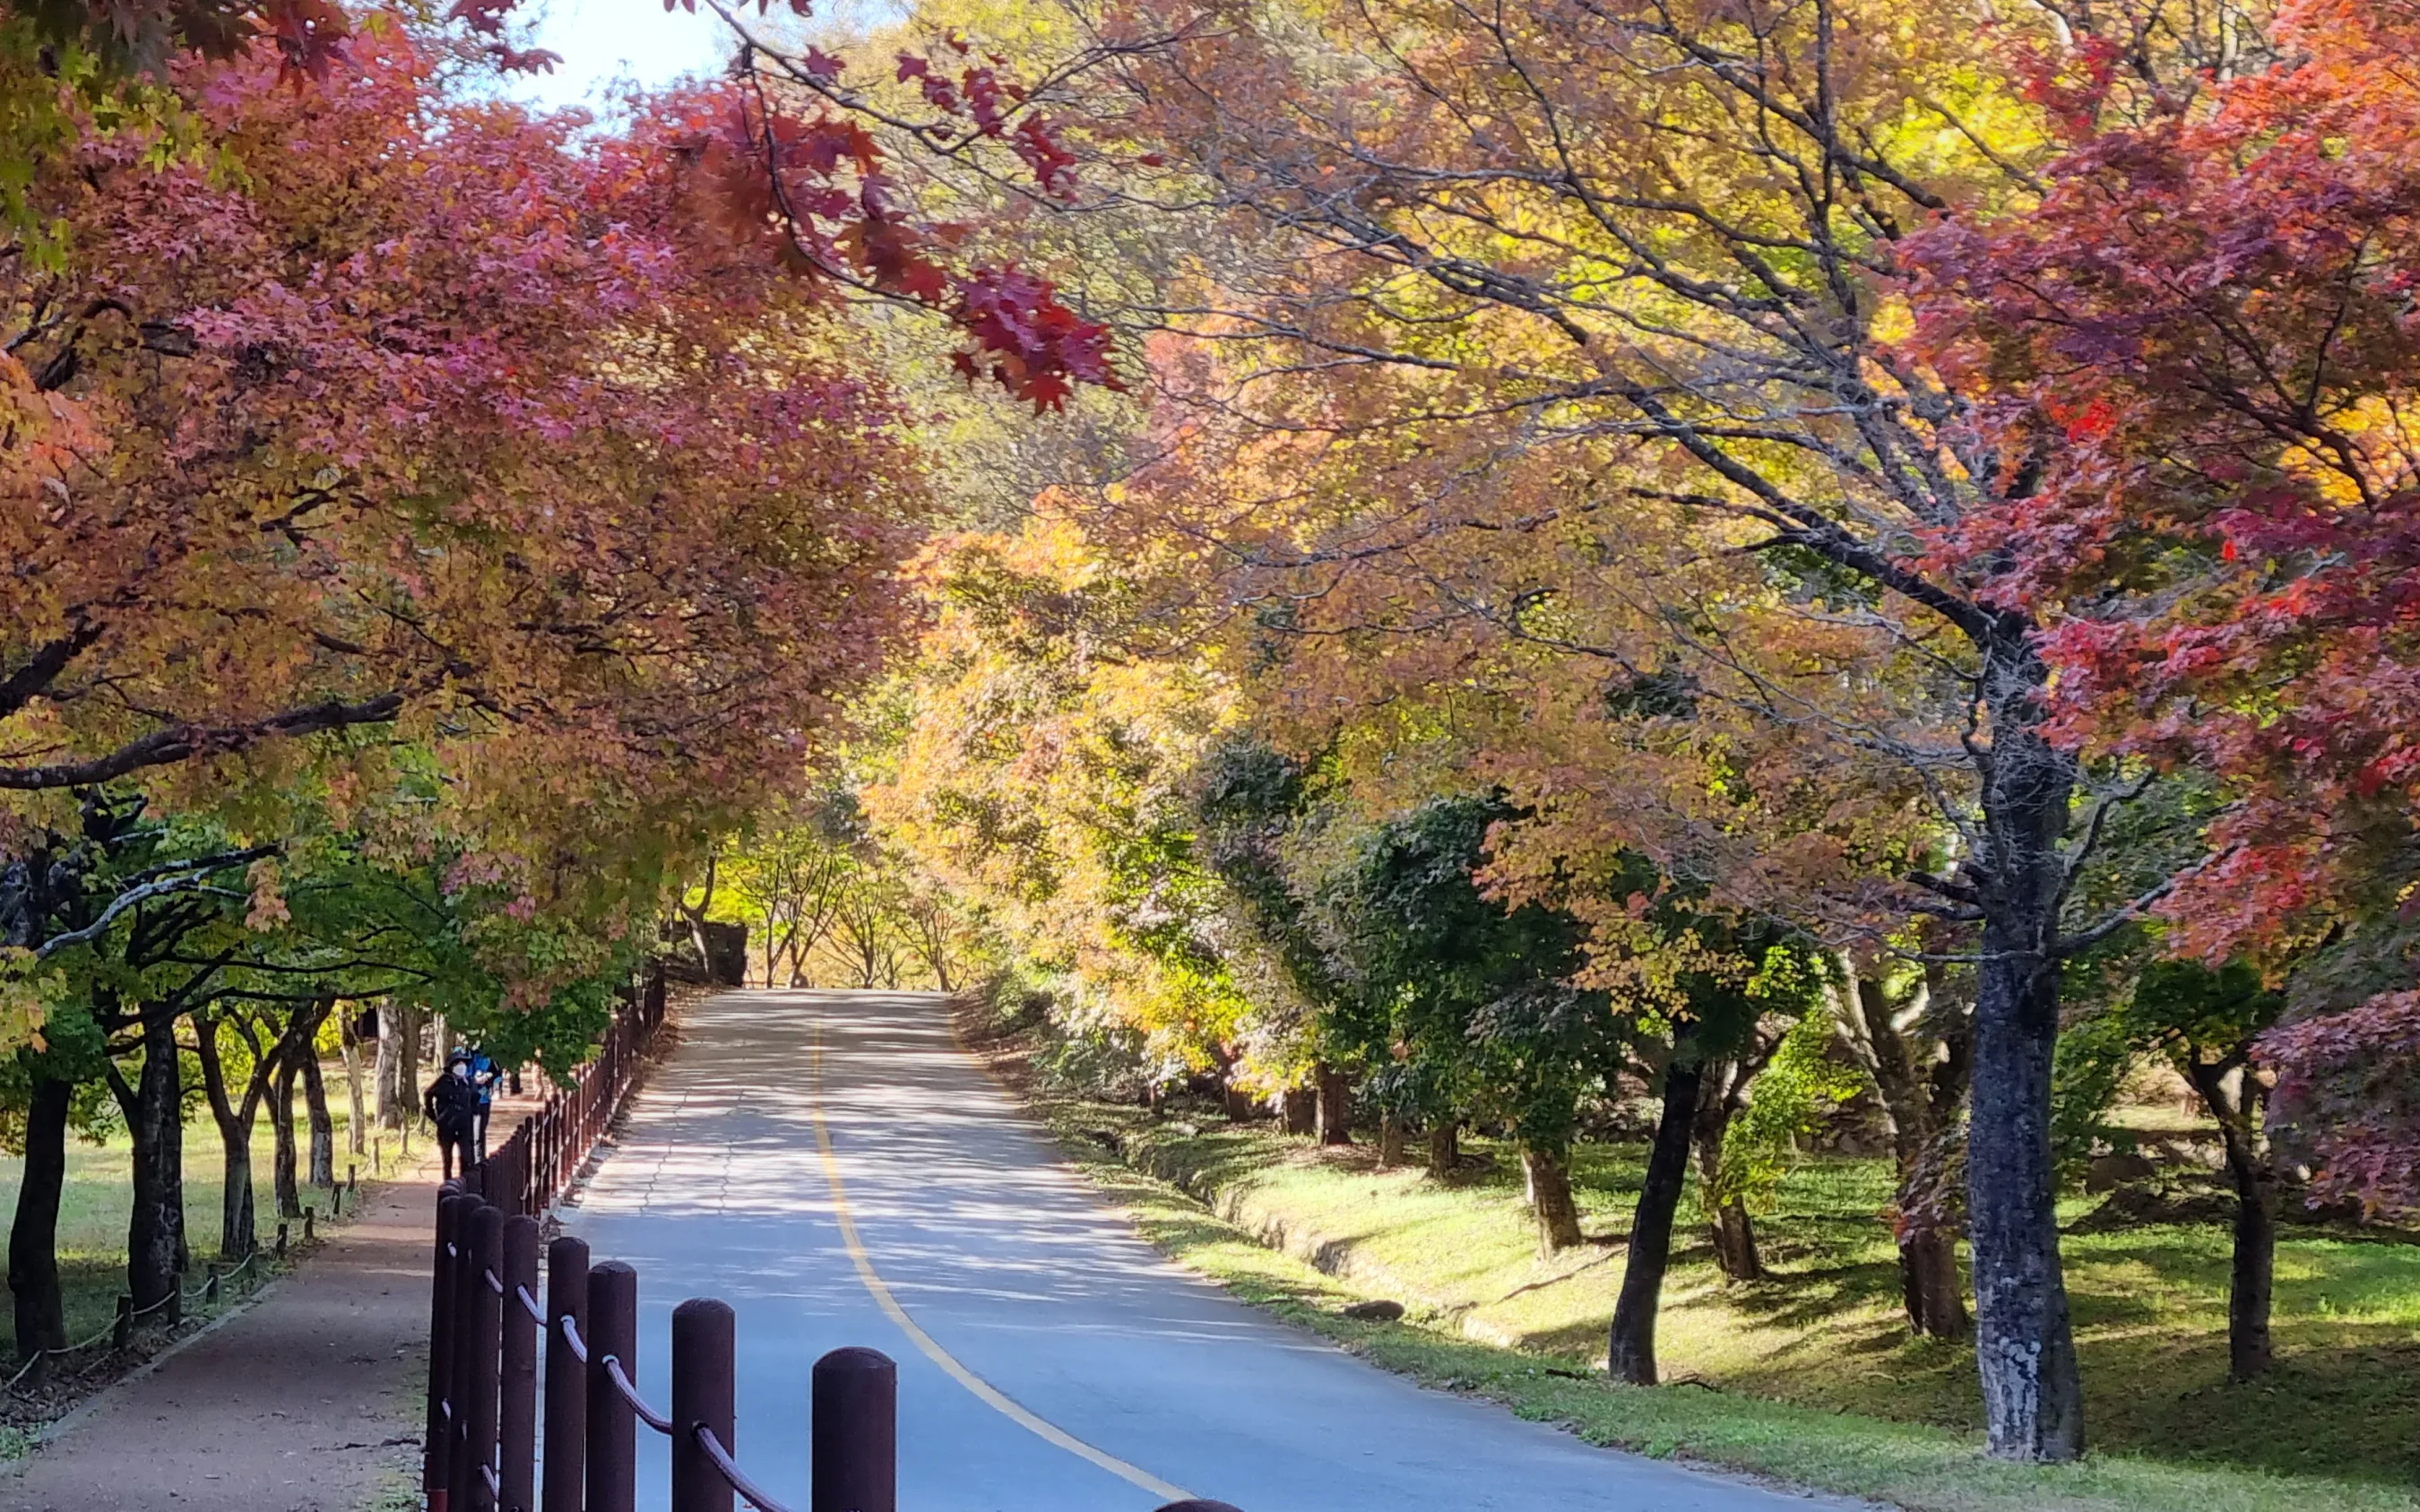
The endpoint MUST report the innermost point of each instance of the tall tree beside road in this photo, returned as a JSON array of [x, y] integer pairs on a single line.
[[1651, 248], [2199, 355]]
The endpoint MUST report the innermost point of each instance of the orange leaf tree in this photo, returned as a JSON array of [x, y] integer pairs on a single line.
[[1638, 260]]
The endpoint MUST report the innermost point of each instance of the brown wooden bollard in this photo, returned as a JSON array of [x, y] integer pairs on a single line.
[[613, 1427], [480, 1344], [701, 1401], [310, 1223], [211, 1285], [121, 1332], [461, 1358], [854, 1452], [281, 1242], [567, 1379], [517, 1412], [436, 1457]]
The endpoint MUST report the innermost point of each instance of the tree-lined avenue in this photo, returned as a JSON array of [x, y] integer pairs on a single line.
[[716, 1187]]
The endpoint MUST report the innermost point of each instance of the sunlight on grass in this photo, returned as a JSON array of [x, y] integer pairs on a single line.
[[96, 1200], [1819, 1383]]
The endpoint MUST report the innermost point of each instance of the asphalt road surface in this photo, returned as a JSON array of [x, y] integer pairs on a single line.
[[836, 1169]]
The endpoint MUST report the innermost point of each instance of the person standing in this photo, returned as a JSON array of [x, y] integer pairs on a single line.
[[452, 1104], [483, 1076]]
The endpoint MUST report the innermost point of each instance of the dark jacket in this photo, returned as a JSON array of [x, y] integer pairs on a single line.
[[450, 1103]]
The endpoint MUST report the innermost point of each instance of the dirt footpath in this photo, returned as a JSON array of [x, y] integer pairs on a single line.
[[308, 1401]]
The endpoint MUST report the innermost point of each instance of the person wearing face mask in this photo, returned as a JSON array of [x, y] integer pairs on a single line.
[[452, 1104]]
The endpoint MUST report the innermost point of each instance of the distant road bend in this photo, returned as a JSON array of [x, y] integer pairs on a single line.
[[833, 1167]]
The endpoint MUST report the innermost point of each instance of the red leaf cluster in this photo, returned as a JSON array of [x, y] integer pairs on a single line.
[[2199, 359], [420, 405]]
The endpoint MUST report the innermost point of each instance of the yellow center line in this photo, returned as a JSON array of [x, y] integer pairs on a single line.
[[983, 1391]]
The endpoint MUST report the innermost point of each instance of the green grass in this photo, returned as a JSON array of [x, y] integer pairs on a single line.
[[1816, 1382], [96, 1200]]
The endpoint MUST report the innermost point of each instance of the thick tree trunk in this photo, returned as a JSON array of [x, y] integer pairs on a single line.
[[1929, 1289], [1335, 1113], [281, 1120], [1445, 1147], [1236, 1101], [155, 1229], [323, 1128], [2033, 1399], [1548, 1173], [1298, 1107], [1732, 1232], [1390, 1141], [34, 1236], [1631, 1346]]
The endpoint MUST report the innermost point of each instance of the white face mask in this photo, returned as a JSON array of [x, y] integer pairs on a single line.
[[463, 1071]]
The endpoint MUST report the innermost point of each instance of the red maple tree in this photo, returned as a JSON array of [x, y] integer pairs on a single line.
[[2200, 360]]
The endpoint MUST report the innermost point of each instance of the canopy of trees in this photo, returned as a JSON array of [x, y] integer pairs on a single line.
[[1688, 561]]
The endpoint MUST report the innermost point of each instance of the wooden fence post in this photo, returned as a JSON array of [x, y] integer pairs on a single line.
[[517, 1414], [702, 1399], [435, 1471], [463, 1357], [567, 1379], [613, 1427], [854, 1449]]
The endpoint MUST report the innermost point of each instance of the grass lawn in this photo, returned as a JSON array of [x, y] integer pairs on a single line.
[[94, 1207], [1816, 1380]]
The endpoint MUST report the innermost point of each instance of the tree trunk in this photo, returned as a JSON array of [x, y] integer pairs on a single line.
[[154, 1108], [1920, 1082], [1445, 1147], [383, 1074], [281, 1120], [1548, 1173], [1631, 1345], [238, 1219], [34, 1236], [1929, 1289], [1299, 1107], [2033, 1399], [1234, 1099], [233, 1118], [1390, 1141], [1335, 1112], [2252, 1280], [356, 1123], [315, 1108], [1731, 1228]]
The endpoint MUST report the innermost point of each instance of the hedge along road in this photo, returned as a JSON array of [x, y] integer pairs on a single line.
[[833, 1167]]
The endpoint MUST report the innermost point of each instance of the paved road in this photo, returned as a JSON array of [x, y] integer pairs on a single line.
[[1071, 1368]]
